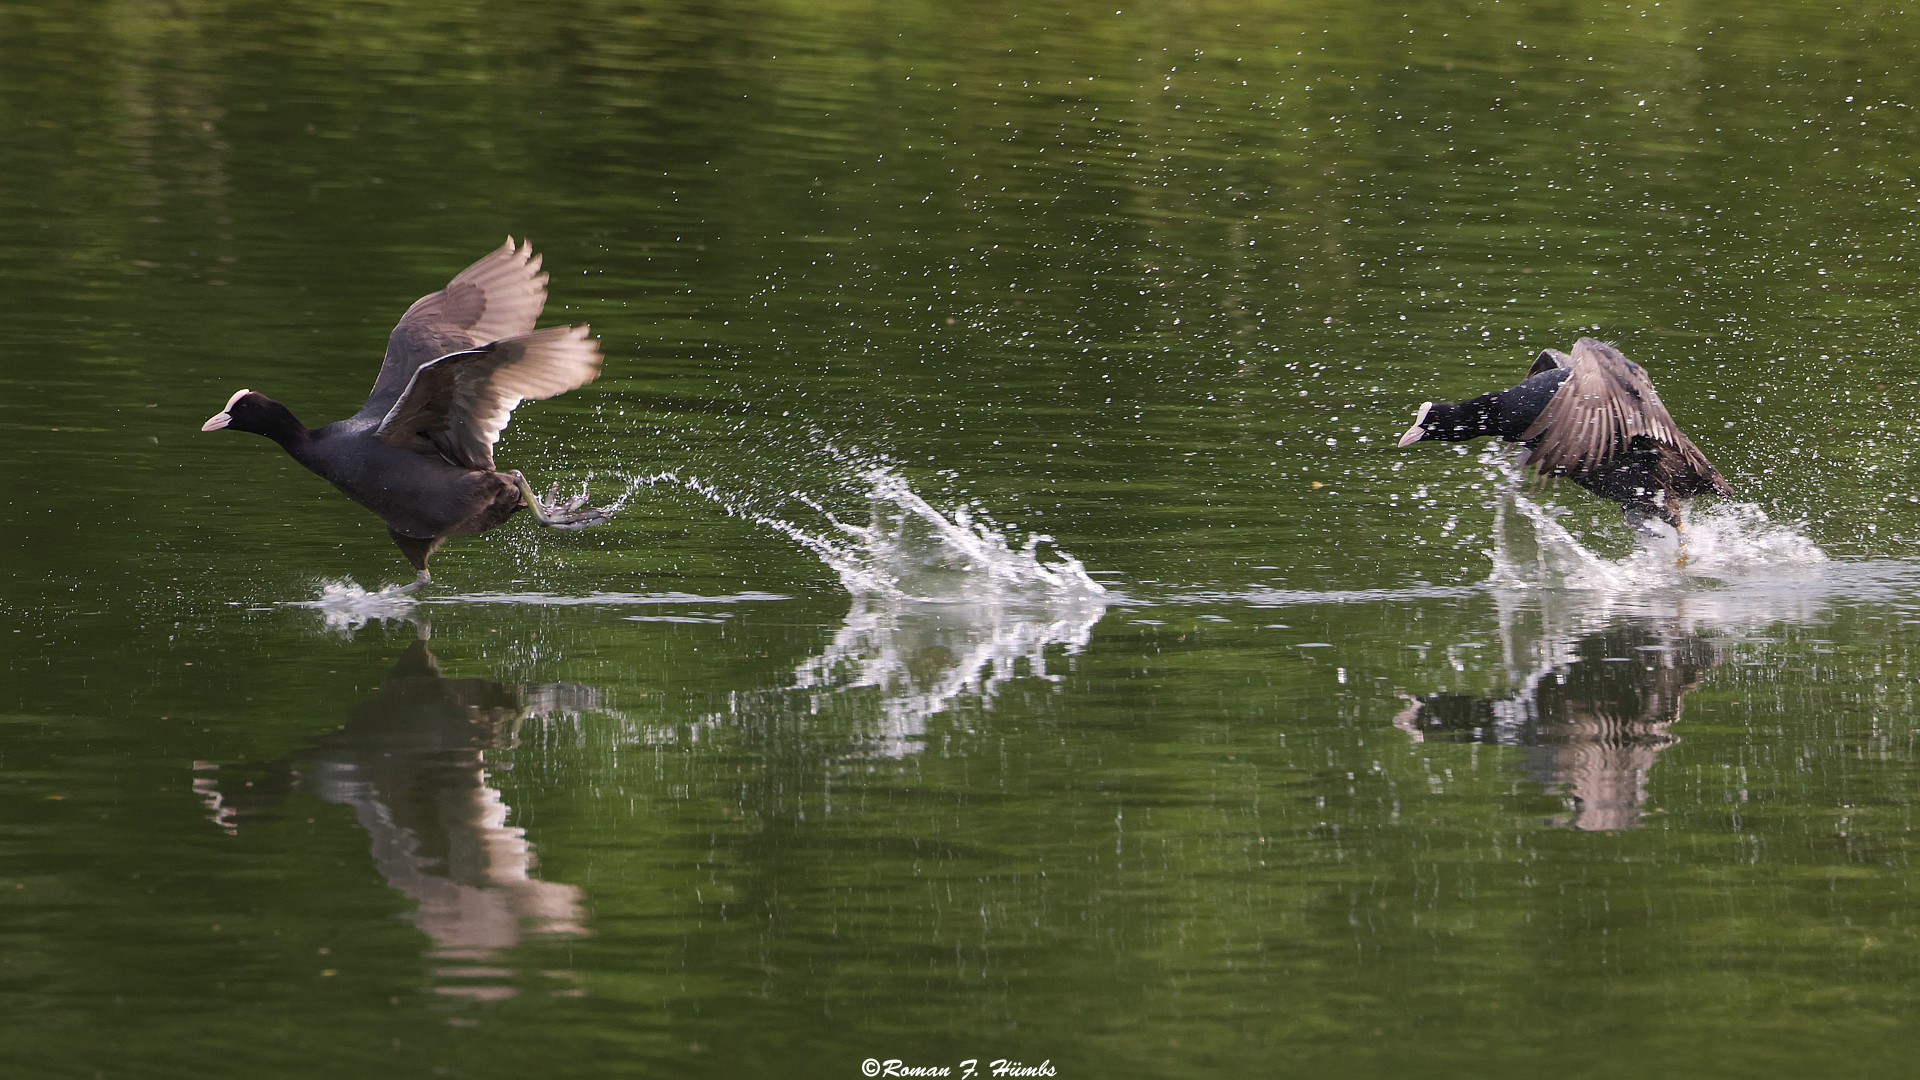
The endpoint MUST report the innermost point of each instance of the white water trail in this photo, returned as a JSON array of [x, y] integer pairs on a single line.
[[346, 606]]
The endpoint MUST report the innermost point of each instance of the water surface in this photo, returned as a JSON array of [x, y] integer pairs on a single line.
[[1020, 638]]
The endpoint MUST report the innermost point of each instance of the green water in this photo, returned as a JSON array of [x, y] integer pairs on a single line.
[[1341, 775]]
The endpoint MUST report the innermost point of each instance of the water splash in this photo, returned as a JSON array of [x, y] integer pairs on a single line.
[[346, 606], [947, 607], [1725, 541], [908, 550]]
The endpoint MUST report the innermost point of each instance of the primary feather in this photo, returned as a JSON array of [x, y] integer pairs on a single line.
[[499, 296]]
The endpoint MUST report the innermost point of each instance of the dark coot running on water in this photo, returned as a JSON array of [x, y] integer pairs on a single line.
[[1592, 417], [419, 453]]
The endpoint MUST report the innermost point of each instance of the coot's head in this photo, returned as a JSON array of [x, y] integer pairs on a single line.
[[258, 413], [1445, 422], [1419, 429]]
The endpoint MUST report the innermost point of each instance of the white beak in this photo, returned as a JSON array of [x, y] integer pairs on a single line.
[[1418, 431], [224, 416]]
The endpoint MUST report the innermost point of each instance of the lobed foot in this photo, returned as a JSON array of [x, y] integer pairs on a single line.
[[551, 512]]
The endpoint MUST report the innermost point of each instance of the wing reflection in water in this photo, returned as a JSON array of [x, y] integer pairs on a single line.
[[412, 762], [923, 658], [1594, 718]]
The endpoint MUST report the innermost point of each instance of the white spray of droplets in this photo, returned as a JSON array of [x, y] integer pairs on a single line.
[[946, 610], [908, 550], [1725, 541]]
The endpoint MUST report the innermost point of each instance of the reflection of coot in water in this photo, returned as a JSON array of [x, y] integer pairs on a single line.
[[1593, 726], [411, 762]]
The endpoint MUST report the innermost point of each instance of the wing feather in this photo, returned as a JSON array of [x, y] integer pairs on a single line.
[[1606, 402], [499, 296], [457, 405]]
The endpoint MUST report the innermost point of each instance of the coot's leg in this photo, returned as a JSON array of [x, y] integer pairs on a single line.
[[417, 552], [1641, 520], [555, 514], [1645, 521]]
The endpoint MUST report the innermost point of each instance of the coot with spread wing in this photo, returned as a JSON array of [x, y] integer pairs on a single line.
[[1594, 418], [419, 453]]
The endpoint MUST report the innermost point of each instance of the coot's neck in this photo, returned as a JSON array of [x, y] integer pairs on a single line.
[[278, 423]]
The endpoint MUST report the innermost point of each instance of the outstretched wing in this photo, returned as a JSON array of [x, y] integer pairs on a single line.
[[497, 297], [1604, 408], [457, 405]]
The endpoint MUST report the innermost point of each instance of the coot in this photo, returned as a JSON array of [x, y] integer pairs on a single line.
[[419, 453], [1592, 417]]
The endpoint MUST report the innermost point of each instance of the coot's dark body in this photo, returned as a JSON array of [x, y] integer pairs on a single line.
[[419, 453], [1593, 417], [423, 498]]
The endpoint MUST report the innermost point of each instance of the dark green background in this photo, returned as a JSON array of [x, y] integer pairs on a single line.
[[1162, 282]]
